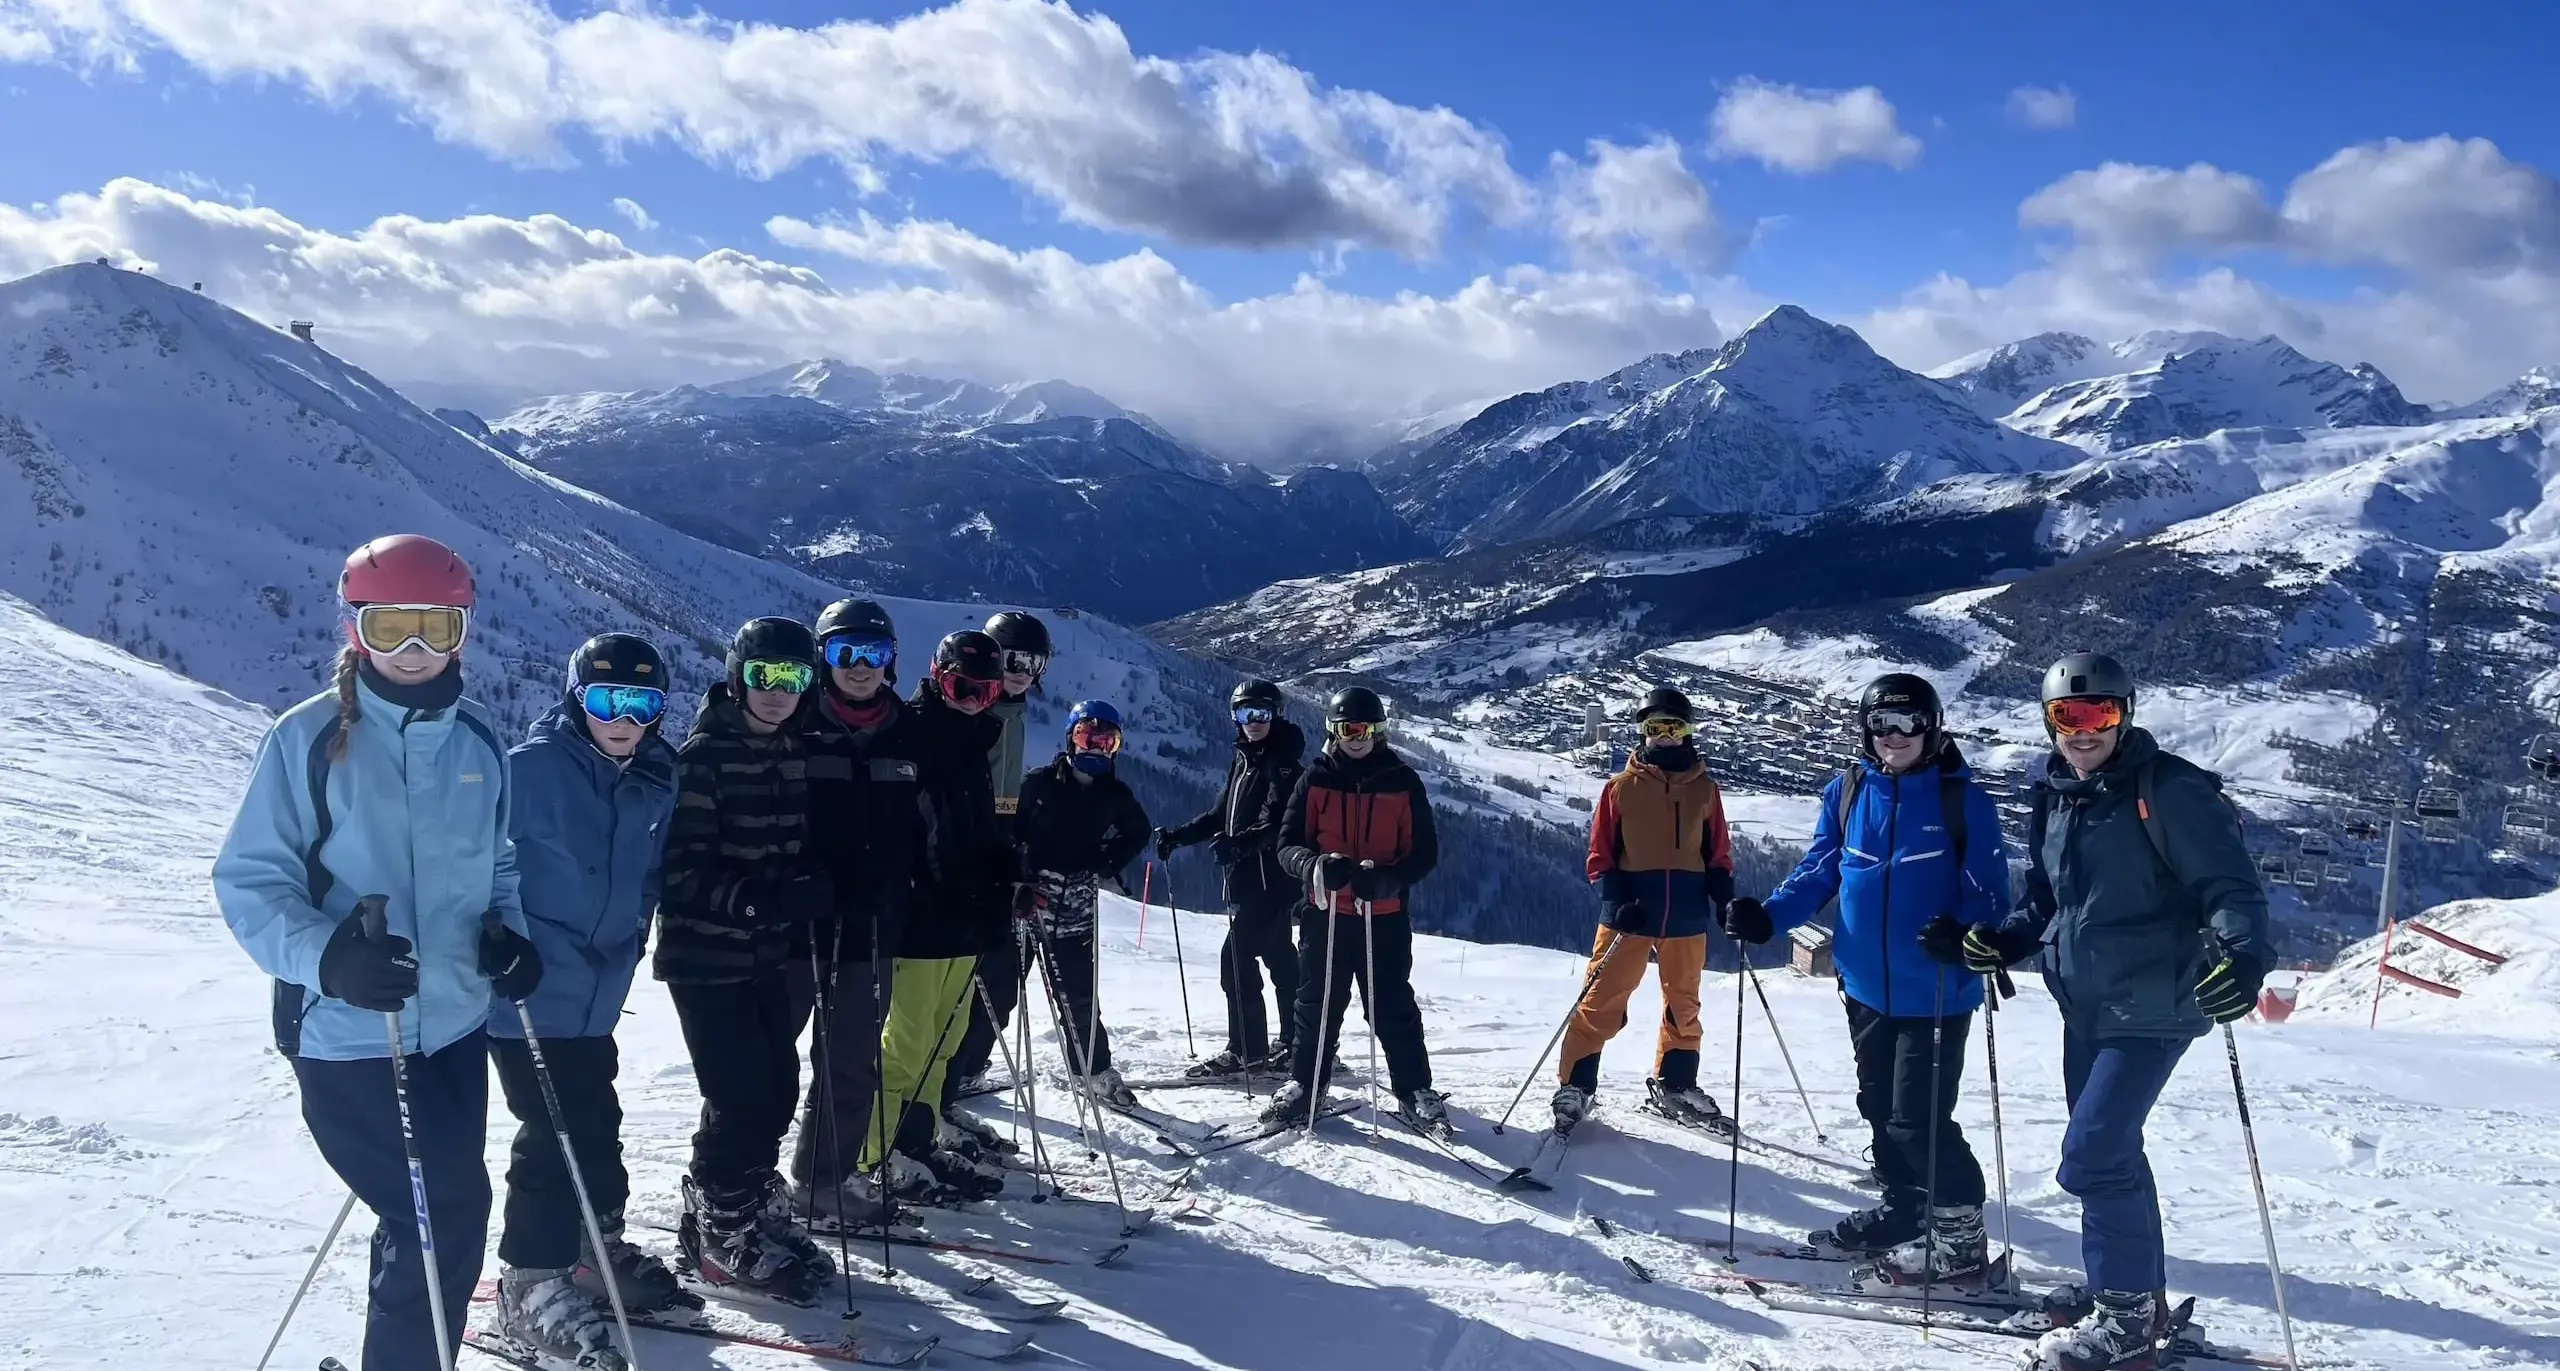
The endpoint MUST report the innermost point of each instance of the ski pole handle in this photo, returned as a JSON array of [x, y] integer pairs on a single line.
[[373, 914]]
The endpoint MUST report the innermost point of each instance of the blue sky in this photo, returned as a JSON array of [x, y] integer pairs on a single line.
[[2260, 91]]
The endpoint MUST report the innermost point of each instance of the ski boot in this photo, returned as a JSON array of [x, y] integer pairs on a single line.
[[1571, 1104], [1956, 1249], [645, 1283], [1686, 1105], [2123, 1333], [1873, 1231], [966, 1179], [912, 1181], [1106, 1088], [1428, 1111], [973, 1137], [544, 1312], [1218, 1068], [1289, 1107], [727, 1245]]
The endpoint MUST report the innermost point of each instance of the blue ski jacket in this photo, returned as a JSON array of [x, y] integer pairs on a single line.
[[1894, 870], [417, 811], [588, 833]]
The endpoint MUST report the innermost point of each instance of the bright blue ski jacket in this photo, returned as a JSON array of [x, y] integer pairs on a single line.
[[1893, 871], [588, 835], [417, 811]]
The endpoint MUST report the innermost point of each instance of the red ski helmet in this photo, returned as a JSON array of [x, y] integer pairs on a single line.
[[404, 569]]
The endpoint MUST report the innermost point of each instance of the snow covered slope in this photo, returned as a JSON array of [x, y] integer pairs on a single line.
[[164, 1197], [1792, 417], [2209, 383], [847, 386], [2516, 998], [2538, 388]]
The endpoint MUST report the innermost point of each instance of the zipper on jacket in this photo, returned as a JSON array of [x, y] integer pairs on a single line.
[[1884, 934]]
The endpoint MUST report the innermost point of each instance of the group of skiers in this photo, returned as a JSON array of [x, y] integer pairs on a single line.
[[2141, 904], [822, 856]]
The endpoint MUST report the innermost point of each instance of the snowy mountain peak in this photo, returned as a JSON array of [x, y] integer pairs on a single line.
[[967, 403], [1996, 379], [2538, 388], [2188, 385]]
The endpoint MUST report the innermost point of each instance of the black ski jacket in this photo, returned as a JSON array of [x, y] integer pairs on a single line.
[[873, 822], [1248, 812], [964, 908]]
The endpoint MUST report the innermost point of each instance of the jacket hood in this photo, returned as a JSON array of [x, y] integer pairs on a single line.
[[1285, 740], [2136, 747], [655, 758]]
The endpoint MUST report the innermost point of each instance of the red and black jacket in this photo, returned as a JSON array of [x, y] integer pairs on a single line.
[[1370, 809]]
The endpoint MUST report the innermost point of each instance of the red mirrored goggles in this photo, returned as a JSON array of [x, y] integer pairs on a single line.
[[2084, 714], [968, 690], [1094, 735], [1353, 730]]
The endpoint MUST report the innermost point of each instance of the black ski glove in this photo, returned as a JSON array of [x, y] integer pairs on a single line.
[[2230, 989], [379, 974], [805, 896], [1165, 845], [1746, 920], [1334, 871], [1988, 950], [1227, 851], [508, 959], [1943, 939]]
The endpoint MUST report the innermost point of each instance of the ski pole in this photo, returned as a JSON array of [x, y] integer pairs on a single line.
[[1080, 1061], [1369, 1002], [1181, 970], [1591, 978], [1999, 1143], [1733, 1184], [2258, 1182], [1039, 1155], [1321, 1076], [822, 992], [1937, 1124], [317, 1257], [577, 1180], [1784, 1055], [1146, 896], [376, 926]]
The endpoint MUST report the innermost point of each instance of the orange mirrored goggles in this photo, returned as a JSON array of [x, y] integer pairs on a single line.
[[386, 629], [2084, 714], [1353, 730]]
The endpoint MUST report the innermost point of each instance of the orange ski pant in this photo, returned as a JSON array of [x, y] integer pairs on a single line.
[[1603, 1010]]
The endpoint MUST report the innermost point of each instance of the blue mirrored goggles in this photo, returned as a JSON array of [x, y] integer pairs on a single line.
[[1248, 715], [640, 704], [878, 653]]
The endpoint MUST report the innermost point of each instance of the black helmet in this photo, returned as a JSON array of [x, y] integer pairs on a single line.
[[1018, 631], [1665, 700], [2089, 675], [1356, 705], [855, 619], [1902, 691], [617, 659], [771, 639], [969, 655], [1256, 693]]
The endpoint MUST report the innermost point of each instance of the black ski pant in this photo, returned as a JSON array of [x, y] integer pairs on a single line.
[[1000, 970], [1393, 1012], [1071, 952], [844, 1067], [743, 1037], [544, 1230], [1894, 1098], [1258, 936], [354, 1117]]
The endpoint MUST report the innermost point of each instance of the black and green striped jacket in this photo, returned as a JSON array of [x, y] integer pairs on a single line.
[[741, 820]]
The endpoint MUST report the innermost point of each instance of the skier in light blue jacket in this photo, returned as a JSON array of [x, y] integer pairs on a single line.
[[390, 785]]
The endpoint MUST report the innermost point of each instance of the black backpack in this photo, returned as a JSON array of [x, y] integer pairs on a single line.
[[1950, 803]]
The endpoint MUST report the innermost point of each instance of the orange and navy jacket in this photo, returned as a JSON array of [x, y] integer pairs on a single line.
[[1660, 857], [1370, 809]]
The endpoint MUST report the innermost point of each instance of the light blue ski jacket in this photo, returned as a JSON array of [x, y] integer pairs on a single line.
[[416, 811]]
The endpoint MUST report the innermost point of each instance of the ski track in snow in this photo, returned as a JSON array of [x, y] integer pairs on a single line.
[[164, 1197]]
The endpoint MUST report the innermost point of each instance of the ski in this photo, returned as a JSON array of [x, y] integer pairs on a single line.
[[1722, 1130], [1260, 1131], [2183, 1343], [980, 1293], [727, 1324], [1544, 1165], [876, 1308]]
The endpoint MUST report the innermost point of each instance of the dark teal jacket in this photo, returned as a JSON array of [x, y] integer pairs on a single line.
[[2124, 933]]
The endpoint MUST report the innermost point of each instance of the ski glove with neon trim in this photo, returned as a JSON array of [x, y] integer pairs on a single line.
[[1988, 950], [2230, 989], [508, 959], [1746, 920], [379, 974]]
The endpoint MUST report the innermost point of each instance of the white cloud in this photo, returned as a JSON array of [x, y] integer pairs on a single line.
[[1640, 198], [1806, 131], [631, 210], [2039, 108], [518, 306], [2135, 215], [2441, 205], [1235, 150]]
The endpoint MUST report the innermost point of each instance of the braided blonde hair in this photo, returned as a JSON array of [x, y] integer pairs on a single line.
[[348, 710]]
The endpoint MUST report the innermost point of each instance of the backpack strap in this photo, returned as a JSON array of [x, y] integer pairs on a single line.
[[2146, 804], [1850, 777]]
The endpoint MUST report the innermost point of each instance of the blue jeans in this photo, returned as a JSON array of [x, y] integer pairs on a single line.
[[2111, 1085], [355, 1118]]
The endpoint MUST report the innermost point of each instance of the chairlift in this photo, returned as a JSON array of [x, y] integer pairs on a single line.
[[2337, 873], [2440, 831], [2363, 825], [2542, 757], [2525, 821], [2307, 874], [2315, 843], [2272, 867], [2439, 803]]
